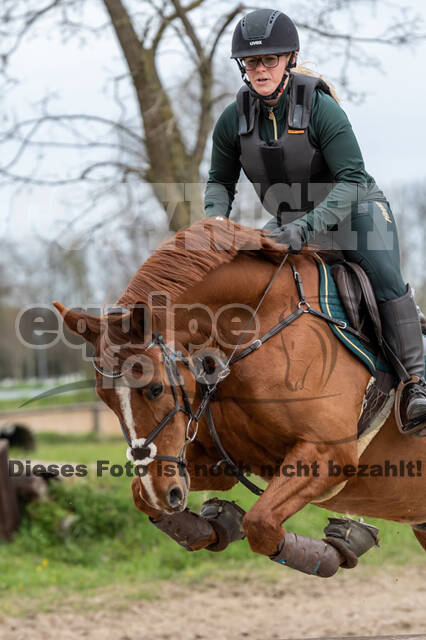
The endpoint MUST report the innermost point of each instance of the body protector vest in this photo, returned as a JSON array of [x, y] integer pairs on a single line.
[[290, 175]]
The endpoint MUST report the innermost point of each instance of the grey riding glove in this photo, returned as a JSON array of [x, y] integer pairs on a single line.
[[292, 235]]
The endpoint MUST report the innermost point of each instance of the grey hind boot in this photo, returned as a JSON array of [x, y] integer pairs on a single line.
[[402, 331]]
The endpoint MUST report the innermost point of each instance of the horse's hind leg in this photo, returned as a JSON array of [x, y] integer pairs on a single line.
[[421, 535]]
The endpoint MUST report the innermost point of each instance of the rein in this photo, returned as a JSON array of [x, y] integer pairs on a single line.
[[142, 451], [146, 446]]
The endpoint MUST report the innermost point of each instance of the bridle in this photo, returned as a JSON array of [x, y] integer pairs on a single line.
[[142, 451], [146, 448]]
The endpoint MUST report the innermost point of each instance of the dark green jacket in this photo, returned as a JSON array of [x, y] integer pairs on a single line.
[[329, 130]]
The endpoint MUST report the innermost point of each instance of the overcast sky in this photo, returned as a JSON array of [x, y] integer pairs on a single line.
[[389, 124]]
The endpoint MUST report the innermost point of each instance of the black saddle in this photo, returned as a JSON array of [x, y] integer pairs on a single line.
[[358, 298]]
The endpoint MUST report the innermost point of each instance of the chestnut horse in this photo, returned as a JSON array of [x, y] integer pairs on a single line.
[[291, 405]]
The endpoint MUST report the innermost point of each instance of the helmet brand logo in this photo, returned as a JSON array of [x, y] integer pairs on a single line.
[[255, 42]]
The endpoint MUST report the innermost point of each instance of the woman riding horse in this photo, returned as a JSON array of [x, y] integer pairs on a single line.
[[275, 422], [296, 145]]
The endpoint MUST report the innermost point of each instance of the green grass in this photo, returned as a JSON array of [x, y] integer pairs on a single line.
[[89, 537], [74, 397], [22, 384], [78, 448]]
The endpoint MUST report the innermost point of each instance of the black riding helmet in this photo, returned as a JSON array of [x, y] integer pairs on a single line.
[[261, 32]]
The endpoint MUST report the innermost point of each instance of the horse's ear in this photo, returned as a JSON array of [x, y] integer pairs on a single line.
[[80, 322], [141, 322]]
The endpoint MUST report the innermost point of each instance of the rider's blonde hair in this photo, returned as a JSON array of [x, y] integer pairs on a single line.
[[302, 68]]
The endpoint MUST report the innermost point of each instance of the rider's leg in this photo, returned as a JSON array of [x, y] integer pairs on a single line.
[[402, 330], [377, 252]]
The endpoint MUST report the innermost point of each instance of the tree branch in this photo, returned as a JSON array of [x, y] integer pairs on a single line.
[[125, 169], [189, 29], [27, 26], [72, 117], [166, 20], [225, 23], [402, 39]]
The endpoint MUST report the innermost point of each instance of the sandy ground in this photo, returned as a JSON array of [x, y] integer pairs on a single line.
[[66, 419], [362, 602]]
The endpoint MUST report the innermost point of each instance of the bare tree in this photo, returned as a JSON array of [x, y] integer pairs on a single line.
[[409, 203], [4, 285], [157, 146], [30, 273]]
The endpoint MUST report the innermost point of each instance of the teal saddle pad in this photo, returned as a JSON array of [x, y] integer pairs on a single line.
[[331, 304]]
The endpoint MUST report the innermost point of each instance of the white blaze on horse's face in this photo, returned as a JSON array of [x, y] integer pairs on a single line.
[[164, 486], [126, 409], [124, 395]]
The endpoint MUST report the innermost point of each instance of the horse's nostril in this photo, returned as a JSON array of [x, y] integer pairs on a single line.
[[175, 497]]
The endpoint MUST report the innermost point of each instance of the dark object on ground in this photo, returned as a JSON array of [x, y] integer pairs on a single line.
[[9, 511], [18, 435]]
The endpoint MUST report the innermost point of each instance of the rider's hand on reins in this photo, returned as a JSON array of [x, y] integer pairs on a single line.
[[290, 234]]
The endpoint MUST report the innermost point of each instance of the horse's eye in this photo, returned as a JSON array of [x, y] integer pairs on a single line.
[[154, 391]]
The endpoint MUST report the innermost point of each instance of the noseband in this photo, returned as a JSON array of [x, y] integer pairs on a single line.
[[142, 451]]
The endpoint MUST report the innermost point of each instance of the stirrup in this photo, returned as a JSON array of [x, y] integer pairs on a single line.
[[413, 427]]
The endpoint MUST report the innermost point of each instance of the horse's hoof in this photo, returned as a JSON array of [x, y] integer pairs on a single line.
[[226, 518], [187, 529], [351, 537]]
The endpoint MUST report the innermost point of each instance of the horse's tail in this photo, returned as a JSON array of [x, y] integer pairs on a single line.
[[301, 68]]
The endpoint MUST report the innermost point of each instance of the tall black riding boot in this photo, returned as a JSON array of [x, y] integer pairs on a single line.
[[402, 331]]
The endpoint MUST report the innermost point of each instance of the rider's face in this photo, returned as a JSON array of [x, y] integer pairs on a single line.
[[265, 80]]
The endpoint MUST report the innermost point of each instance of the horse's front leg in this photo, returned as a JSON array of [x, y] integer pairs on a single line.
[[191, 531], [287, 495], [220, 521]]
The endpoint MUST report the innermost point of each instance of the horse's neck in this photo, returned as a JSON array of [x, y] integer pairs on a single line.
[[222, 303], [242, 280]]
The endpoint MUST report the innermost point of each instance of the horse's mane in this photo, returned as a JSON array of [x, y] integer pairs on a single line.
[[185, 259]]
